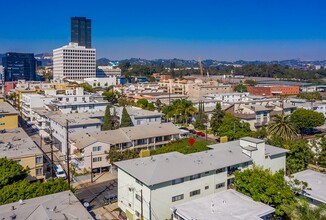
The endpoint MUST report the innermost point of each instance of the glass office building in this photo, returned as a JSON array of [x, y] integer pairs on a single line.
[[19, 66], [81, 29]]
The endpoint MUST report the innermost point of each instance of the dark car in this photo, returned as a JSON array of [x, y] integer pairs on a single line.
[[201, 134], [111, 198], [192, 131], [312, 131]]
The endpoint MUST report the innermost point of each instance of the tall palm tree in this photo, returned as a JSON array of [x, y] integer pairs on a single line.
[[282, 126]]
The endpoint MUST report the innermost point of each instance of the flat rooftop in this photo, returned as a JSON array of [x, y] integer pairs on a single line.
[[124, 135], [157, 169], [62, 205], [139, 113], [228, 204], [316, 181], [7, 109], [74, 119], [15, 143]]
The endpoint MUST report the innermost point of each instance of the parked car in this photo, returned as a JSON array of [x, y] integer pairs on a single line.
[[111, 198], [201, 134], [60, 173], [192, 131]]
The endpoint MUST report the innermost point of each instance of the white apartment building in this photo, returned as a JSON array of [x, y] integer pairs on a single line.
[[107, 71], [167, 180], [228, 97], [30, 101], [101, 82], [74, 62], [142, 137], [76, 123]]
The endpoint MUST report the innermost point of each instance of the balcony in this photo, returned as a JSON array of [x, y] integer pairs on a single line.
[[244, 116], [261, 123]]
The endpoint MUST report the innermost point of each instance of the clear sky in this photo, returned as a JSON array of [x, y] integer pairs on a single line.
[[217, 29]]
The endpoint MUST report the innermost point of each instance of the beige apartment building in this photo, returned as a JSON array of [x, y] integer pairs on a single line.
[[16, 145]]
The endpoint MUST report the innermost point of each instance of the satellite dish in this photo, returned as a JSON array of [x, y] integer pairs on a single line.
[[86, 204], [98, 217]]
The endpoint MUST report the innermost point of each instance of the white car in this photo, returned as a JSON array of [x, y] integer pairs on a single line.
[[60, 172]]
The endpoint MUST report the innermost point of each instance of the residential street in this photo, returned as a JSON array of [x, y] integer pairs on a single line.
[[94, 194]]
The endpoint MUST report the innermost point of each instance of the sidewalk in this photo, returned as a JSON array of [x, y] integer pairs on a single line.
[[85, 180], [108, 212]]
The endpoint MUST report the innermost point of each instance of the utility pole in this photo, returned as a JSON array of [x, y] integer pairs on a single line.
[[51, 139], [141, 208], [68, 151], [91, 167]]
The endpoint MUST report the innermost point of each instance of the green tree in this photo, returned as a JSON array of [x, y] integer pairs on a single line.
[[240, 88], [125, 118], [304, 119], [25, 190], [184, 108], [298, 157], [233, 128], [87, 87], [107, 122], [261, 133], [12, 96], [263, 186], [282, 126], [200, 118], [114, 155], [321, 157], [158, 105], [11, 171], [115, 120], [217, 118], [250, 82], [310, 96], [110, 96], [302, 210]]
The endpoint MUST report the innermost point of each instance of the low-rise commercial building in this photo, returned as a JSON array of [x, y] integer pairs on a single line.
[[273, 90], [16, 145], [62, 205], [97, 144], [228, 204], [8, 116], [167, 180]]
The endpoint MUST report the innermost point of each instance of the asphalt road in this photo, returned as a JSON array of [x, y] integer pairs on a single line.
[[94, 194]]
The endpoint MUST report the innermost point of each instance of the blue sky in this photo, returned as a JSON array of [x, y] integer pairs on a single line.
[[222, 30]]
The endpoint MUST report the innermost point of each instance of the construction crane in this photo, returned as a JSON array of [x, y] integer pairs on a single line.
[[200, 67]]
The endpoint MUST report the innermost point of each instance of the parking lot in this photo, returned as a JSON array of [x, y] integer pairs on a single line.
[[95, 194]]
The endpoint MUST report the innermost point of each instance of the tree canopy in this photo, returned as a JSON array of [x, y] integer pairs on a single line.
[[304, 119], [217, 118], [310, 96], [240, 88], [107, 122], [263, 186], [14, 186], [233, 128], [125, 118], [282, 126]]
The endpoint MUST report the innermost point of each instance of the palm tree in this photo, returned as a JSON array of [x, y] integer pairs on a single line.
[[282, 126], [185, 109]]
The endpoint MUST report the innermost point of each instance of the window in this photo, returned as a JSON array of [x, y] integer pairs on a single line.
[[39, 160], [67, 99], [39, 171], [220, 170], [138, 197], [177, 181], [196, 192], [97, 159], [206, 187], [196, 176], [177, 198], [98, 148], [220, 185]]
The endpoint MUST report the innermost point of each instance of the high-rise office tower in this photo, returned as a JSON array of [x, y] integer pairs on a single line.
[[81, 31], [19, 66], [74, 62]]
